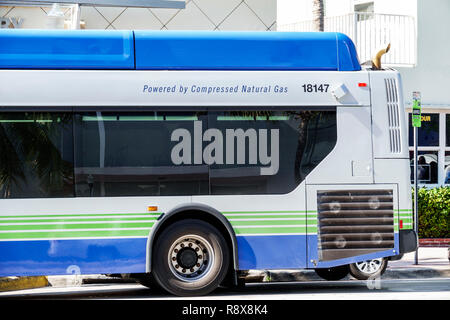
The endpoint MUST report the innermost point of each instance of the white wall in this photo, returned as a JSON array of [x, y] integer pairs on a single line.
[[291, 11], [400, 7], [251, 15], [431, 76]]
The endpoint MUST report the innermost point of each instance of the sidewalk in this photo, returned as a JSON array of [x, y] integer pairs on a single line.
[[432, 262]]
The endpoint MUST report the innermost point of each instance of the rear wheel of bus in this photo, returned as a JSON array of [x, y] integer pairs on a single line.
[[190, 258], [368, 269]]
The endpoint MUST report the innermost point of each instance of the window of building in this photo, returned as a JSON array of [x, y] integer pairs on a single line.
[[428, 133], [447, 125], [364, 11], [447, 168], [36, 158], [427, 167], [433, 143]]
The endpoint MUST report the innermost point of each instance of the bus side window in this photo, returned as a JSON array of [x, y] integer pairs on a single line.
[[36, 155], [126, 154]]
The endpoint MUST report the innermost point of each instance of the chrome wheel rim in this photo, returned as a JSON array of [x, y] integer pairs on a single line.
[[370, 266], [191, 258]]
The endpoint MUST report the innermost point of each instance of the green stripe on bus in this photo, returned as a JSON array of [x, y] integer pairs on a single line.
[[148, 219], [267, 223], [280, 211], [248, 216], [80, 215], [403, 218], [74, 234], [23, 227], [270, 230]]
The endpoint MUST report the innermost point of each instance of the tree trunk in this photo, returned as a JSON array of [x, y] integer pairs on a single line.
[[318, 15]]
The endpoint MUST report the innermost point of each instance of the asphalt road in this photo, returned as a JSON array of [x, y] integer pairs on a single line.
[[407, 289]]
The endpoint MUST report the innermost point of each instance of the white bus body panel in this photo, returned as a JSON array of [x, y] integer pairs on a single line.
[[351, 159], [49, 88], [388, 114]]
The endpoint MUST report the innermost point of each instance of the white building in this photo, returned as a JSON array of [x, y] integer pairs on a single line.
[[418, 31], [251, 15]]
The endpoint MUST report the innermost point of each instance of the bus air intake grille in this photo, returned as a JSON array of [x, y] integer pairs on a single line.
[[354, 222], [393, 115]]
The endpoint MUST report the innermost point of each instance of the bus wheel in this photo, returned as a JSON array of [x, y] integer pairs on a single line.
[[190, 258], [368, 269], [334, 273]]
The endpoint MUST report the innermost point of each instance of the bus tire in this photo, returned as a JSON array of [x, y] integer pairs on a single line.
[[190, 258], [368, 269], [333, 273], [147, 280]]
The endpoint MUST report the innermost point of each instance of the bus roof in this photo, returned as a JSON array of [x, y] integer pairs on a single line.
[[176, 50]]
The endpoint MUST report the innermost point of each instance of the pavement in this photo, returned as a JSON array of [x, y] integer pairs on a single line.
[[433, 262]]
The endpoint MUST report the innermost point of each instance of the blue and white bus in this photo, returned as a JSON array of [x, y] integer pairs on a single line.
[[188, 158]]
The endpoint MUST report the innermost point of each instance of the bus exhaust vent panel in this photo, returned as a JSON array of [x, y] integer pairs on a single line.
[[354, 222], [393, 115]]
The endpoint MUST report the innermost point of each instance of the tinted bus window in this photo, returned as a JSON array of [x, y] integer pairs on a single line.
[[198, 153], [129, 154], [36, 158], [101, 154], [265, 151]]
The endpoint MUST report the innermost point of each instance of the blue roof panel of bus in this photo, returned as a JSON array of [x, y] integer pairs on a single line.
[[64, 49], [176, 50], [244, 51]]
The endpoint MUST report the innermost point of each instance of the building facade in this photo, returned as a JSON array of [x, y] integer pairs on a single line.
[[420, 47], [248, 15]]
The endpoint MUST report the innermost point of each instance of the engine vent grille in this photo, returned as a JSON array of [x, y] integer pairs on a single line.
[[354, 222], [393, 115]]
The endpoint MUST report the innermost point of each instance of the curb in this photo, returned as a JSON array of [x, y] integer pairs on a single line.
[[310, 275], [22, 283], [78, 280], [433, 242]]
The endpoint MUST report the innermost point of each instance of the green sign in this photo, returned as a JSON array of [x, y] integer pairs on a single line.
[[416, 110]]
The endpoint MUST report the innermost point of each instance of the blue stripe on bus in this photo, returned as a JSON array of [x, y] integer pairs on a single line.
[[289, 252], [271, 252], [103, 256], [60, 257]]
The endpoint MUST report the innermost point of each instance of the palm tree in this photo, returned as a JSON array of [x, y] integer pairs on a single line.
[[318, 15]]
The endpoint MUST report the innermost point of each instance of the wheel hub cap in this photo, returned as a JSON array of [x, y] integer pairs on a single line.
[[369, 266], [190, 258]]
